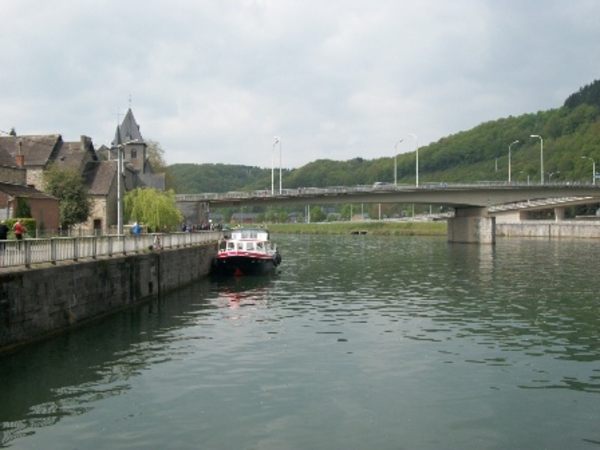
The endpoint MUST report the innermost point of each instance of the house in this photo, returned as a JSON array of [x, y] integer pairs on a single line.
[[14, 189], [33, 153], [38, 152]]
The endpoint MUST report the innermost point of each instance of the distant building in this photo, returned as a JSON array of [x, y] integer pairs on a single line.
[[241, 218]]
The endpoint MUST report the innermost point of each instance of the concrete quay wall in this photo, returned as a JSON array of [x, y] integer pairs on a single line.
[[39, 301], [550, 229]]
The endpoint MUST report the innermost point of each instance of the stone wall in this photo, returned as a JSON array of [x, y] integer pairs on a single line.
[[37, 302], [550, 229], [13, 175]]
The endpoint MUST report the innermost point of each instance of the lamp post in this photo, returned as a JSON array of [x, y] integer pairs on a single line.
[[541, 156], [396, 162], [593, 168], [417, 163], [273, 166], [119, 148], [280, 187], [509, 169]]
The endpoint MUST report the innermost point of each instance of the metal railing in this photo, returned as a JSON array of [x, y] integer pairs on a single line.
[[52, 250], [336, 190]]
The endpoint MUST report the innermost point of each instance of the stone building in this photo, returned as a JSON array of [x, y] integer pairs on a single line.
[[14, 188], [137, 166]]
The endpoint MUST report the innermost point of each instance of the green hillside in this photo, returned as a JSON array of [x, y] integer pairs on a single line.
[[570, 132]]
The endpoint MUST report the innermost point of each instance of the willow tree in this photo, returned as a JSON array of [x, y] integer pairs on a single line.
[[155, 209]]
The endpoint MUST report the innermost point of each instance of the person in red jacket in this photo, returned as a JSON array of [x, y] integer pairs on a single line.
[[19, 231]]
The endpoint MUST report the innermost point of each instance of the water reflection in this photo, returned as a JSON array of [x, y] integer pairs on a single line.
[[67, 375], [239, 292], [353, 328]]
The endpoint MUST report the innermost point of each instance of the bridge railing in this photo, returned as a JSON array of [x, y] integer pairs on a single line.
[[52, 250], [336, 190]]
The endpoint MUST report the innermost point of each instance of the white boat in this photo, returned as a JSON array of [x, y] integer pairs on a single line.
[[247, 251]]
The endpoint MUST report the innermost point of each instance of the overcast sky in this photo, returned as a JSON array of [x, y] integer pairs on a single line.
[[215, 81]]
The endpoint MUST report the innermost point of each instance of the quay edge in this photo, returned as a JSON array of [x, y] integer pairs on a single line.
[[38, 302]]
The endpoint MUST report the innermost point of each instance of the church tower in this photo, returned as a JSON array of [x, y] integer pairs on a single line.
[[128, 134]]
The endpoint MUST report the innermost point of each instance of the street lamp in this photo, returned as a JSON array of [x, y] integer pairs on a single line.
[[280, 189], [417, 163], [396, 162], [593, 168], [119, 148], [516, 142], [273, 166], [541, 156]]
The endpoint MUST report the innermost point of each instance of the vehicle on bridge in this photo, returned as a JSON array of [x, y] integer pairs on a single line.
[[382, 185], [248, 251]]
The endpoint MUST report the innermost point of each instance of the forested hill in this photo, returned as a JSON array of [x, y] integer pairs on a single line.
[[570, 133]]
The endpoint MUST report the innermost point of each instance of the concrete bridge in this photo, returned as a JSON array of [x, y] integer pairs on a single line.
[[473, 220]]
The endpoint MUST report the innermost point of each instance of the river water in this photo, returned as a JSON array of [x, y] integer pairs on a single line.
[[360, 342]]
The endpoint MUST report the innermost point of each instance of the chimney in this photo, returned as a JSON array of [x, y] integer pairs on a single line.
[[20, 157]]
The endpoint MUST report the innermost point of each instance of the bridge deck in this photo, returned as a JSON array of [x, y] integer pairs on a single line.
[[452, 195]]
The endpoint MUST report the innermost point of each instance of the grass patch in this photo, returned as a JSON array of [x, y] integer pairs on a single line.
[[375, 227]]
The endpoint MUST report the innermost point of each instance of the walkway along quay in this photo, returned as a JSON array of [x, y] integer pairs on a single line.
[[64, 282]]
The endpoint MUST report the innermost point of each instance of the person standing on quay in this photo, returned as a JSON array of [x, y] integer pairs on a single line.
[[3, 236], [19, 231], [3, 231]]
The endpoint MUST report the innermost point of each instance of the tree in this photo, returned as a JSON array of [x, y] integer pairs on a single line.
[[156, 209], [156, 156], [317, 214], [23, 208], [67, 185]]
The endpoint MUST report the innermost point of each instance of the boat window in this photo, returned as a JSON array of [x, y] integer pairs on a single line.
[[260, 246], [240, 246], [250, 246], [230, 246]]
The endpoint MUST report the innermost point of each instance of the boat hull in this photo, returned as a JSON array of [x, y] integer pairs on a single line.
[[242, 265]]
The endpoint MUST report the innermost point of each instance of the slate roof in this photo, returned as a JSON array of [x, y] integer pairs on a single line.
[[71, 154], [128, 131], [6, 159], [17, 190], [99, 176], [37, 149]]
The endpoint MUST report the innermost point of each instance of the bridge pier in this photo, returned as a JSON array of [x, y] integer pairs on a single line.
[[559, 214], [472, 226]]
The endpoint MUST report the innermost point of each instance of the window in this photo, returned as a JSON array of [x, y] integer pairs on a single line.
[[133, 153]]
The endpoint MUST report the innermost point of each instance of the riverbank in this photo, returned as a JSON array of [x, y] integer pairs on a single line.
[[535, 229], [374, 227]]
